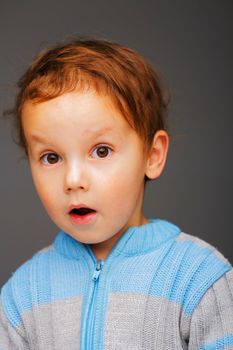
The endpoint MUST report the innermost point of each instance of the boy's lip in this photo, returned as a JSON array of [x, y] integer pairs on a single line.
[[82, 219]]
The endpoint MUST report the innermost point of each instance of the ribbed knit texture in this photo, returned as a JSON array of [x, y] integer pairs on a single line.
[[158, 289]]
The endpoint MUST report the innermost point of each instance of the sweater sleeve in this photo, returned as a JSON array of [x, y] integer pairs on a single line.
[[10, 337], [212, 322]]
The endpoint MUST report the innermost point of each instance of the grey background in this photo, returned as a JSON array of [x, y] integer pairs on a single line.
[[190, 42]]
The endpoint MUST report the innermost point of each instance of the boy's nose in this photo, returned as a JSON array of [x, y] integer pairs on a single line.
[[76, 178]]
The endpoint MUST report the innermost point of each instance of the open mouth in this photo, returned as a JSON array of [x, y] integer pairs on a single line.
[[81, 211], [82, 215]]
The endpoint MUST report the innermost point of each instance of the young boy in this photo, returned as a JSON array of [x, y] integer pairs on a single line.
[[91, 119]]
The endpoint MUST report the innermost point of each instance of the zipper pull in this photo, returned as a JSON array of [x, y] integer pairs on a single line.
[[97, 271]]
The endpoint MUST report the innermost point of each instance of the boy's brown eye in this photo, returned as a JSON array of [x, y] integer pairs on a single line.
[[102, 152], [50, 158]]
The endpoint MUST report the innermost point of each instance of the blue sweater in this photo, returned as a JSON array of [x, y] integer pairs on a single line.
[[158, 289]]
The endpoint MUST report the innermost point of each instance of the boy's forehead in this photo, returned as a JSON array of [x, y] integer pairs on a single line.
[[86, 113]]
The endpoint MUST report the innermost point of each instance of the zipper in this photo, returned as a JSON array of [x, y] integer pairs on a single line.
[[90, 318]]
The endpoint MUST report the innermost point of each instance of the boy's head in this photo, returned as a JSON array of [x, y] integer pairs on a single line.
[[108, 69], [91, 119]]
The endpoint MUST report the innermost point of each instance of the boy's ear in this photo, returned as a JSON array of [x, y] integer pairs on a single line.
[[156, 157]]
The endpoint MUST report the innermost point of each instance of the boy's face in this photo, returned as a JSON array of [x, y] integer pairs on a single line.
[[83, 153]]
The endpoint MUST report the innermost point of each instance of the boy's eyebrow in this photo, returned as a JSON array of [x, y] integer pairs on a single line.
[[38, 138], [98, 132]]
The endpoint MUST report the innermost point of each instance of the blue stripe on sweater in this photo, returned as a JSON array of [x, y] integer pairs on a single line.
[[47, 277], [182, 272], [219, 344]]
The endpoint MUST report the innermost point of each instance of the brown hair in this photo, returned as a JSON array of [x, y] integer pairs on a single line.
[[107, 67]]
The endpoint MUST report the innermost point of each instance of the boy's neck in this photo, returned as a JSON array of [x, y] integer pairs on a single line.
[[102, 250]]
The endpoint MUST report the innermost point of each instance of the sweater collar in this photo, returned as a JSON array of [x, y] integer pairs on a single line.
[[136, 240]]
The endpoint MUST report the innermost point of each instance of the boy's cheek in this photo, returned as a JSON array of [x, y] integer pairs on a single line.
[[46, 188]]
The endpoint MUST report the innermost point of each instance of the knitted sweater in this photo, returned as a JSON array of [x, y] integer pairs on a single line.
[[158, 289]]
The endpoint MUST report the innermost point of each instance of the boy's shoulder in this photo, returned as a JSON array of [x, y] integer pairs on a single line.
[[25, 270], [30, 284], [198, 259], [16, 294], [34, 264], [197, 265], [196, 245]]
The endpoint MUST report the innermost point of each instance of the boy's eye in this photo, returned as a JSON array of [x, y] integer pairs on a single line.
[[50, 158], [102, 152]]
